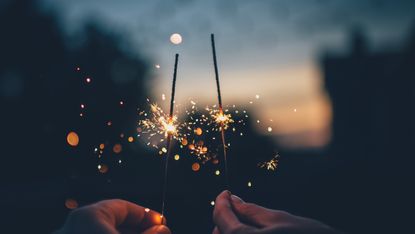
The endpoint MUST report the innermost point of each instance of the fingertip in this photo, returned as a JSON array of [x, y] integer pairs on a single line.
[[158, 229], [216, 230], [236, 200]]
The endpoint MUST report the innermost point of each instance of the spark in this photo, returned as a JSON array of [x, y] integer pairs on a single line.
[[270, 165]]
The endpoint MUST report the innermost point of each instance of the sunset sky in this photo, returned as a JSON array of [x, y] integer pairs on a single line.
[[270, 48]]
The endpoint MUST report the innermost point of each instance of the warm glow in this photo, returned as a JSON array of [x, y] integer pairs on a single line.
[[117, 148], [130, 139], [195, 166], [72, 138], [220, 118], [198, 131], [71, 203]]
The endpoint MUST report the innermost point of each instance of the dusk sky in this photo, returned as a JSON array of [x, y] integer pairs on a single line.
[[269, 48]]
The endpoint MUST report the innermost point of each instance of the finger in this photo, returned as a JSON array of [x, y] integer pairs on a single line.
[[224, 218], [253, 214], [122, 213], [158, 229], [216, 231]]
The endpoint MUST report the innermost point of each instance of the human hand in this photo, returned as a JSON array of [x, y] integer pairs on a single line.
[[113, 217], [234, 216]]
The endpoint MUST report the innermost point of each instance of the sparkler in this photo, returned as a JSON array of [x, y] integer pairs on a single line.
[[221, 118], [170, 130]]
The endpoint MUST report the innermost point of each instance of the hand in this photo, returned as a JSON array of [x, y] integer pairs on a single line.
[[112, 217], [234, 216]]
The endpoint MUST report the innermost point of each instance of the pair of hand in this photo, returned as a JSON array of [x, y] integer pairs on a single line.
[[231, 216]]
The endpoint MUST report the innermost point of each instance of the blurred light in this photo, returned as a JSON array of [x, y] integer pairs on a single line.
[[117, 148], [217, 172], [121, 103], [176, 38], [257, 96], [88, 80], [147, 210], [130, 139], [101, 146], [103, 168], [82, 106], [157, 66], [249, 184], [269, 129], [176, 157], [195, 166], [198, 131], [184, 141], [212, 203], [72, 138], [71, 203]]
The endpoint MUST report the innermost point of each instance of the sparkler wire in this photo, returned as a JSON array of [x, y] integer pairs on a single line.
[[169, 138], [215, 64]]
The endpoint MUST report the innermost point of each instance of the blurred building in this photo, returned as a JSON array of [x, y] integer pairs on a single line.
[[373, 126]]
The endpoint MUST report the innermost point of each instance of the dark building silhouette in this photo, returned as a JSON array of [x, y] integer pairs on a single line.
[[372, 95]]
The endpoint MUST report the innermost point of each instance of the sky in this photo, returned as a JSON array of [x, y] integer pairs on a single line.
[[264, 47]]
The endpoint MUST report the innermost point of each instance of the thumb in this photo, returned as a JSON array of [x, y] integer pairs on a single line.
[[253, 214], [158, 229]]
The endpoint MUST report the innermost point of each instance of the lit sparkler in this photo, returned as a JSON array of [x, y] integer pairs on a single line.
[[169, 131], [221, 117]]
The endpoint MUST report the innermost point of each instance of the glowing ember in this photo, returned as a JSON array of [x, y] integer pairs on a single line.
[[130, 139], [72, 138]]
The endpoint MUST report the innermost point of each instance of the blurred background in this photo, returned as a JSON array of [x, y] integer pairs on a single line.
[[329, 85]]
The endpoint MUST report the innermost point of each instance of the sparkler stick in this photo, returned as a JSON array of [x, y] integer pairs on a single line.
[[212, 37], [169, 136]]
